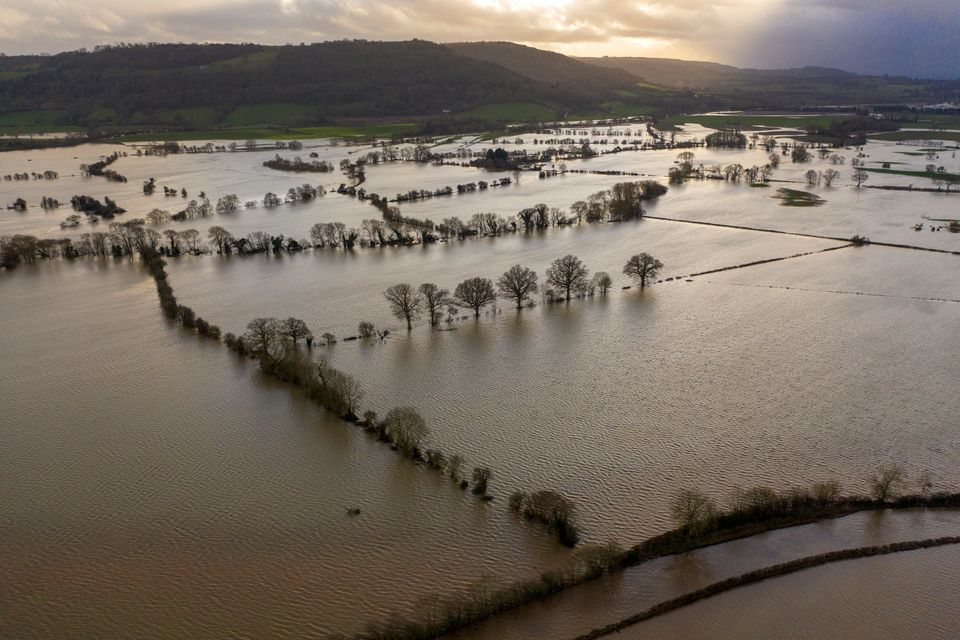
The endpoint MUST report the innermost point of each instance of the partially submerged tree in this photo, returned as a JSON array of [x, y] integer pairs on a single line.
[[406, 428], [481, 478], [219, 236], [295, 329], [568, 274], [262, 337], [859, 177], [517, 283], [475, 293], [642, 267], [601, 282], [693, 510], [434, 299], [887, 482], [405, 302]]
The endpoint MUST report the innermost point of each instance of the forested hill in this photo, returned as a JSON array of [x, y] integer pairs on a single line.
[[780, 88], [547, 67], [334, 79]]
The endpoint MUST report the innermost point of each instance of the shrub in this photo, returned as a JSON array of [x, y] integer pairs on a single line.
[[481, 478]]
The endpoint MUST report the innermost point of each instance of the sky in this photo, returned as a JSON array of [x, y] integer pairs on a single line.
[[918, 38]]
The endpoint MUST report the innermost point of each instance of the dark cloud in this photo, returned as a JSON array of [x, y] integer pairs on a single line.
[[876, 36]]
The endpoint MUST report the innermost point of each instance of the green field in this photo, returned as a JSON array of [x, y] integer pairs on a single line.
[[746, 121], [276, 133], [614, 110], [511, 112], [34, 122], [917, 134], [193, 117], [270, 114], [929, 175]]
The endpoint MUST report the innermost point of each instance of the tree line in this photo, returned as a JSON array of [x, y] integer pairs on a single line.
[[699, 524], [566, 277], [276, 344], [623, 201]]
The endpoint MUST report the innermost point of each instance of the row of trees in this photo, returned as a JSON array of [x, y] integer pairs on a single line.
[[276, 344], [566, 277], [49, 174], [696, 513]]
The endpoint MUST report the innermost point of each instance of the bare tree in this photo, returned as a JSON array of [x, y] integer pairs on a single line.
[[406, 428], [405, 302], [295, 330], [262, 336], [828, 176], [886, 483], [518, 283], [455, 467], [434, 299], [349, 391], [602, 282], [366, 329], [642, 267], [579, 209], [925, 483], [859, 177], [693, 510], [229, 203], [481, 478], [567, 273], [219, 236], [475, 293]]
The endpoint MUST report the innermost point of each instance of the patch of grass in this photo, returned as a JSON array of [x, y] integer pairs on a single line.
[[276, 133], [797, 198], [277, 113], [48, 121], [31, 118], [759, 185], [194, 117], [358, 131], [614, 110], [743, 121], [511, 112], [930, 175], [917, 134]]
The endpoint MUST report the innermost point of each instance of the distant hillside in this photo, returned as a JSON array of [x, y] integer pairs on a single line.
[[200, 85], [780, 88], [549, 68]]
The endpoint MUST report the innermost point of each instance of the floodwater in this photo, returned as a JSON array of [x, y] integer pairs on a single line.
[[907, 595], [149, 472], [618, 596], [153, 484]]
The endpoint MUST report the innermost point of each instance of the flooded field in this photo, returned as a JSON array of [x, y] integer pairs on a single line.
[[906, 595], [150, 471], [619, 596]]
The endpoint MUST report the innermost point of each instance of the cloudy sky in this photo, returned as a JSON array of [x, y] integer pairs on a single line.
[[918, 37]]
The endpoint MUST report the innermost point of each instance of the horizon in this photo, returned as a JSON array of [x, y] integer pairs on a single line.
[[451, 42], [916, 41]]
